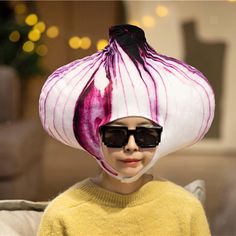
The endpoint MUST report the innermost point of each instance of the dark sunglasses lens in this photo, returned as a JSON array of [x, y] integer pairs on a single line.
[[147, 137], [114, 136]]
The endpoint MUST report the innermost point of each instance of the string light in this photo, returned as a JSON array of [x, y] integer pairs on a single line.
[[28, 46], [20, 8], [134, 22], [40, 26], [52, 32], [34, 35], [101, 44], [148, 21], [85, 43], [162, 11], [75, 42], [31, 19], [41, 50], [14, 36]]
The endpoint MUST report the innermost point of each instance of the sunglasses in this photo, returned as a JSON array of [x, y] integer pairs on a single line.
[[118, 136]]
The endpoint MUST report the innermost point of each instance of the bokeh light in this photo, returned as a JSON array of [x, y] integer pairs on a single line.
[[31, 19], [75, 42], [20, 8], [41, 50], [85, 43], [40, 26], [101, 44], [28, 46], [52, 32], [162, 11], [14, 36], [148, 21], [34, 35], [134, 22]]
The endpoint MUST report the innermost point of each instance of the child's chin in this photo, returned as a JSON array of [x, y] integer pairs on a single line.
[[130, 172]]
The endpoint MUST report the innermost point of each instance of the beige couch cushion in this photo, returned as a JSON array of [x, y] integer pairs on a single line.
[[19, 223], [20, 217]]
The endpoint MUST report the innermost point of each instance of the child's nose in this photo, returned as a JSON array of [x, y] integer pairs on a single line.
[[131, 145]]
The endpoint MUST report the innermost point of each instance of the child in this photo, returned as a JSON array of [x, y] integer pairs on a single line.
[[127, 106]]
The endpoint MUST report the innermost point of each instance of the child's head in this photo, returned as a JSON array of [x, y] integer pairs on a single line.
[[126, 79], [129, 144]]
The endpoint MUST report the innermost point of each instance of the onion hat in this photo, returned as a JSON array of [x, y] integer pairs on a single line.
[[127, 78]]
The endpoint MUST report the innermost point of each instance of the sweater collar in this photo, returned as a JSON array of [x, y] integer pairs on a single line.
[[89, 191]]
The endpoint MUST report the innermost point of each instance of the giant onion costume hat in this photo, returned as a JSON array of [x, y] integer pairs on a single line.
[[127, 78]]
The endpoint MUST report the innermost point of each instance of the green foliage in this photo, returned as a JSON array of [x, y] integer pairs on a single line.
[[11, 53]]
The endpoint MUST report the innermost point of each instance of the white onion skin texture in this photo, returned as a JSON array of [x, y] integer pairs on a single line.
[[127, 78]]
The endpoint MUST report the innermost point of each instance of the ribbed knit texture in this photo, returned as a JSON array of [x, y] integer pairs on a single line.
[[159, 208]]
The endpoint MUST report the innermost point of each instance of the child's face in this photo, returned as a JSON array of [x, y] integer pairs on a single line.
[[130, 158]]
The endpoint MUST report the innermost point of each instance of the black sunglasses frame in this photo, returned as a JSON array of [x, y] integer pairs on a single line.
[[129, 132]]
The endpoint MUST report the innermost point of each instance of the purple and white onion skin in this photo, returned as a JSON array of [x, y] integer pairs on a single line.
[[127, 78]]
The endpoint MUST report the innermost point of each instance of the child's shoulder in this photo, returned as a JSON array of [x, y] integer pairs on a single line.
[[66, 200], [172, 191]]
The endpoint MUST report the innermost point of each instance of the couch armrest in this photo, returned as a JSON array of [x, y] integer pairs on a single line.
[[197, 188]]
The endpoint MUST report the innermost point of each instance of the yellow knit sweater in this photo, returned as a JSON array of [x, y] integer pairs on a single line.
[[159, 208]]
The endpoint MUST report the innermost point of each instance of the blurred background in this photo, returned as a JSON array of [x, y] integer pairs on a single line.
[[37, 37]]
